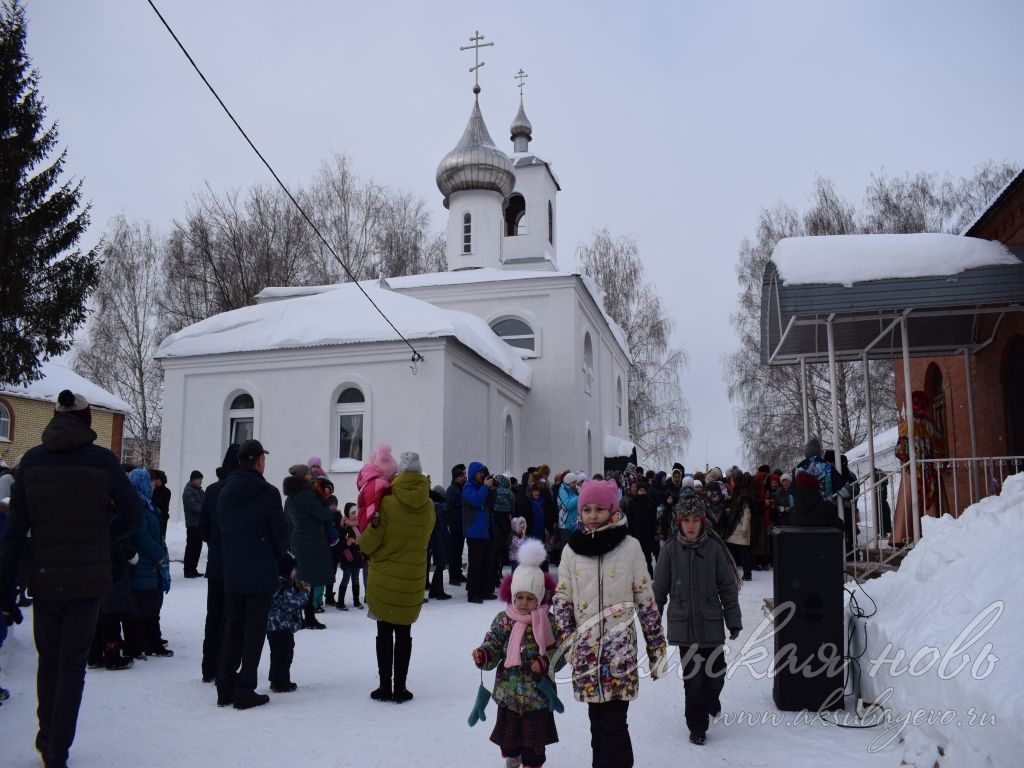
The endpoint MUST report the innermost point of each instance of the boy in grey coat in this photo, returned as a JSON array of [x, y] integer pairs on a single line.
[[696, 576]]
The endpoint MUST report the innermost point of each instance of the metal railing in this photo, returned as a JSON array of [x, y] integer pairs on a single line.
[[945, 486]]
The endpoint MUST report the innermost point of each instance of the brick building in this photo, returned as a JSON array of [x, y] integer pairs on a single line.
[[996, 370], [25, 411]]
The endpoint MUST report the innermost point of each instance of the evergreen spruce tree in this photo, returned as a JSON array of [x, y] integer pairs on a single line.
[[44, 279]]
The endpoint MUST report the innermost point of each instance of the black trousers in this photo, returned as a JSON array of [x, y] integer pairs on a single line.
[[63, 631], [245, 630], [213, 636], [703, 680], [282, 651], [142, 629], [349, 572], [609, 735], [193, 548], [455, 558], [741, 554], [479, 576]]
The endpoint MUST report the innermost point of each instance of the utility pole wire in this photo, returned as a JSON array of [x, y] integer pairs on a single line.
[[416, 356]]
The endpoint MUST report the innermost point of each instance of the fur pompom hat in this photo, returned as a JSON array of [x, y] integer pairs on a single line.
[[409, 461], [384, 461], [74, 404], [528, 576]]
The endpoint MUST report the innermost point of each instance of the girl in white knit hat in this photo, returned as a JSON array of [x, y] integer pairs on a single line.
[[517, 644]]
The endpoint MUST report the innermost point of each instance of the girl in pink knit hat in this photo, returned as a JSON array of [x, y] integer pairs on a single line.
[[374, 483], [603, 588]]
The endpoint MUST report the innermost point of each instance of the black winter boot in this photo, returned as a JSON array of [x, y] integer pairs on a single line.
[[385, 656], [309, 618], [437, 585], [403, 651]]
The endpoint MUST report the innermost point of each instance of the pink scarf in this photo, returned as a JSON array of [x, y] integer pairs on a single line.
[[541, 632]]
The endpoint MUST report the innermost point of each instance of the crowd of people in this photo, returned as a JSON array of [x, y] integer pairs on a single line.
[[670, 549]]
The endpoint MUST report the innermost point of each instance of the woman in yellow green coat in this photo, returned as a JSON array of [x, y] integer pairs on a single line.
[[396, 544]]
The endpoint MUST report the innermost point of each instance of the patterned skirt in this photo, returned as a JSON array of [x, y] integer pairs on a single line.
[[530, 730]]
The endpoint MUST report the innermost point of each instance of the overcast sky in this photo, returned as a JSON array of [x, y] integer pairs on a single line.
[[673, 122]]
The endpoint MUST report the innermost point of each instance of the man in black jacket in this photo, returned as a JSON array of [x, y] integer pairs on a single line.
[[213, 635], [254, 547], [453, 508], [192, 503], [79, 506]]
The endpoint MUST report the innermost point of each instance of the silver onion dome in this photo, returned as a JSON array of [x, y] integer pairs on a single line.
[[521, 126], [475, 163]]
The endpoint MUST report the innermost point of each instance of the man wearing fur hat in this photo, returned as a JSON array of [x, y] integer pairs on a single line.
[[63, 496]]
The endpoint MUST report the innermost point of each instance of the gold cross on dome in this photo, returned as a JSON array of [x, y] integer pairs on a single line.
[[476, 46], [521, 77]]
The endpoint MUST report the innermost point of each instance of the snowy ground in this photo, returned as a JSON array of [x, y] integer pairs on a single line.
[[160, 714]]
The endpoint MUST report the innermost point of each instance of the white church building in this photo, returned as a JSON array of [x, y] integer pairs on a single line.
[[521, 365]]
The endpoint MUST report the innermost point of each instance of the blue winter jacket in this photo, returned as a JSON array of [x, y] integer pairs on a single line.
[[568, 507], [253, 534], [286, 608], [150, 547], [474, 505]]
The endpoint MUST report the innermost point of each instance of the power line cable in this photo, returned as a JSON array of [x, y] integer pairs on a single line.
[[416, 356]]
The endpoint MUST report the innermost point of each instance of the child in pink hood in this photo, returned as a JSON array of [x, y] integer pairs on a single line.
[[374, 483]]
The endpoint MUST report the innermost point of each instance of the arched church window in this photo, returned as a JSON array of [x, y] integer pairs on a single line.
[[241, 419], [509, 445], [5, 423], [588, 363], [515, 216], [467, 233], [515, 333], [551, 223], [618, 400], [350, 418]]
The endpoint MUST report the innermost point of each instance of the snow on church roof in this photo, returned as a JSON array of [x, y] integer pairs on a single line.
[[461, 277], [849, 259], [56, 378], [338, 315]]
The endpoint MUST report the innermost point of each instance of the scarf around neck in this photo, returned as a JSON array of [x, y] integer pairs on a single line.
[[538, 619]]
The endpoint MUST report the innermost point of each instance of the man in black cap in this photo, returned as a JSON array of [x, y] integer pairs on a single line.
[[192, 501], [73, 499], [254, 547]]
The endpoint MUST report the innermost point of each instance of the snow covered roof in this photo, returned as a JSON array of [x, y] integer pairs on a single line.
[[56, 378], [460, 277], [884, 441], [993, 203], [615, 446], [867, 287], [338, 315], [849, 259]]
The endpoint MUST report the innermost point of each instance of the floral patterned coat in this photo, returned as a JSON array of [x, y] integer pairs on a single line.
[[515, 688], [599, 597]]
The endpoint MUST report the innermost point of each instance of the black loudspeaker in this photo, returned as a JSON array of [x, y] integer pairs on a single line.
[[809, 642]]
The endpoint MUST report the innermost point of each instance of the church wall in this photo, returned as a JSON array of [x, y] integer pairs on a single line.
[[485, 208], [477, 401], [294, 393], [535, 185]]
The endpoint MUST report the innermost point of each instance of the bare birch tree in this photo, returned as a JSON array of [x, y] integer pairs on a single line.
[[659, 417], [125, 330]]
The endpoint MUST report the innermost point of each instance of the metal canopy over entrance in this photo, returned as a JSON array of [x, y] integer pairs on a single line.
[[942, 314], [896, 317]]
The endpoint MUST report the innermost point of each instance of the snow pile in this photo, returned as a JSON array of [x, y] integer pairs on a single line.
[[615, 446], [341, 315], [885, 441], [954, 614], [57, 378], [849, 259]]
